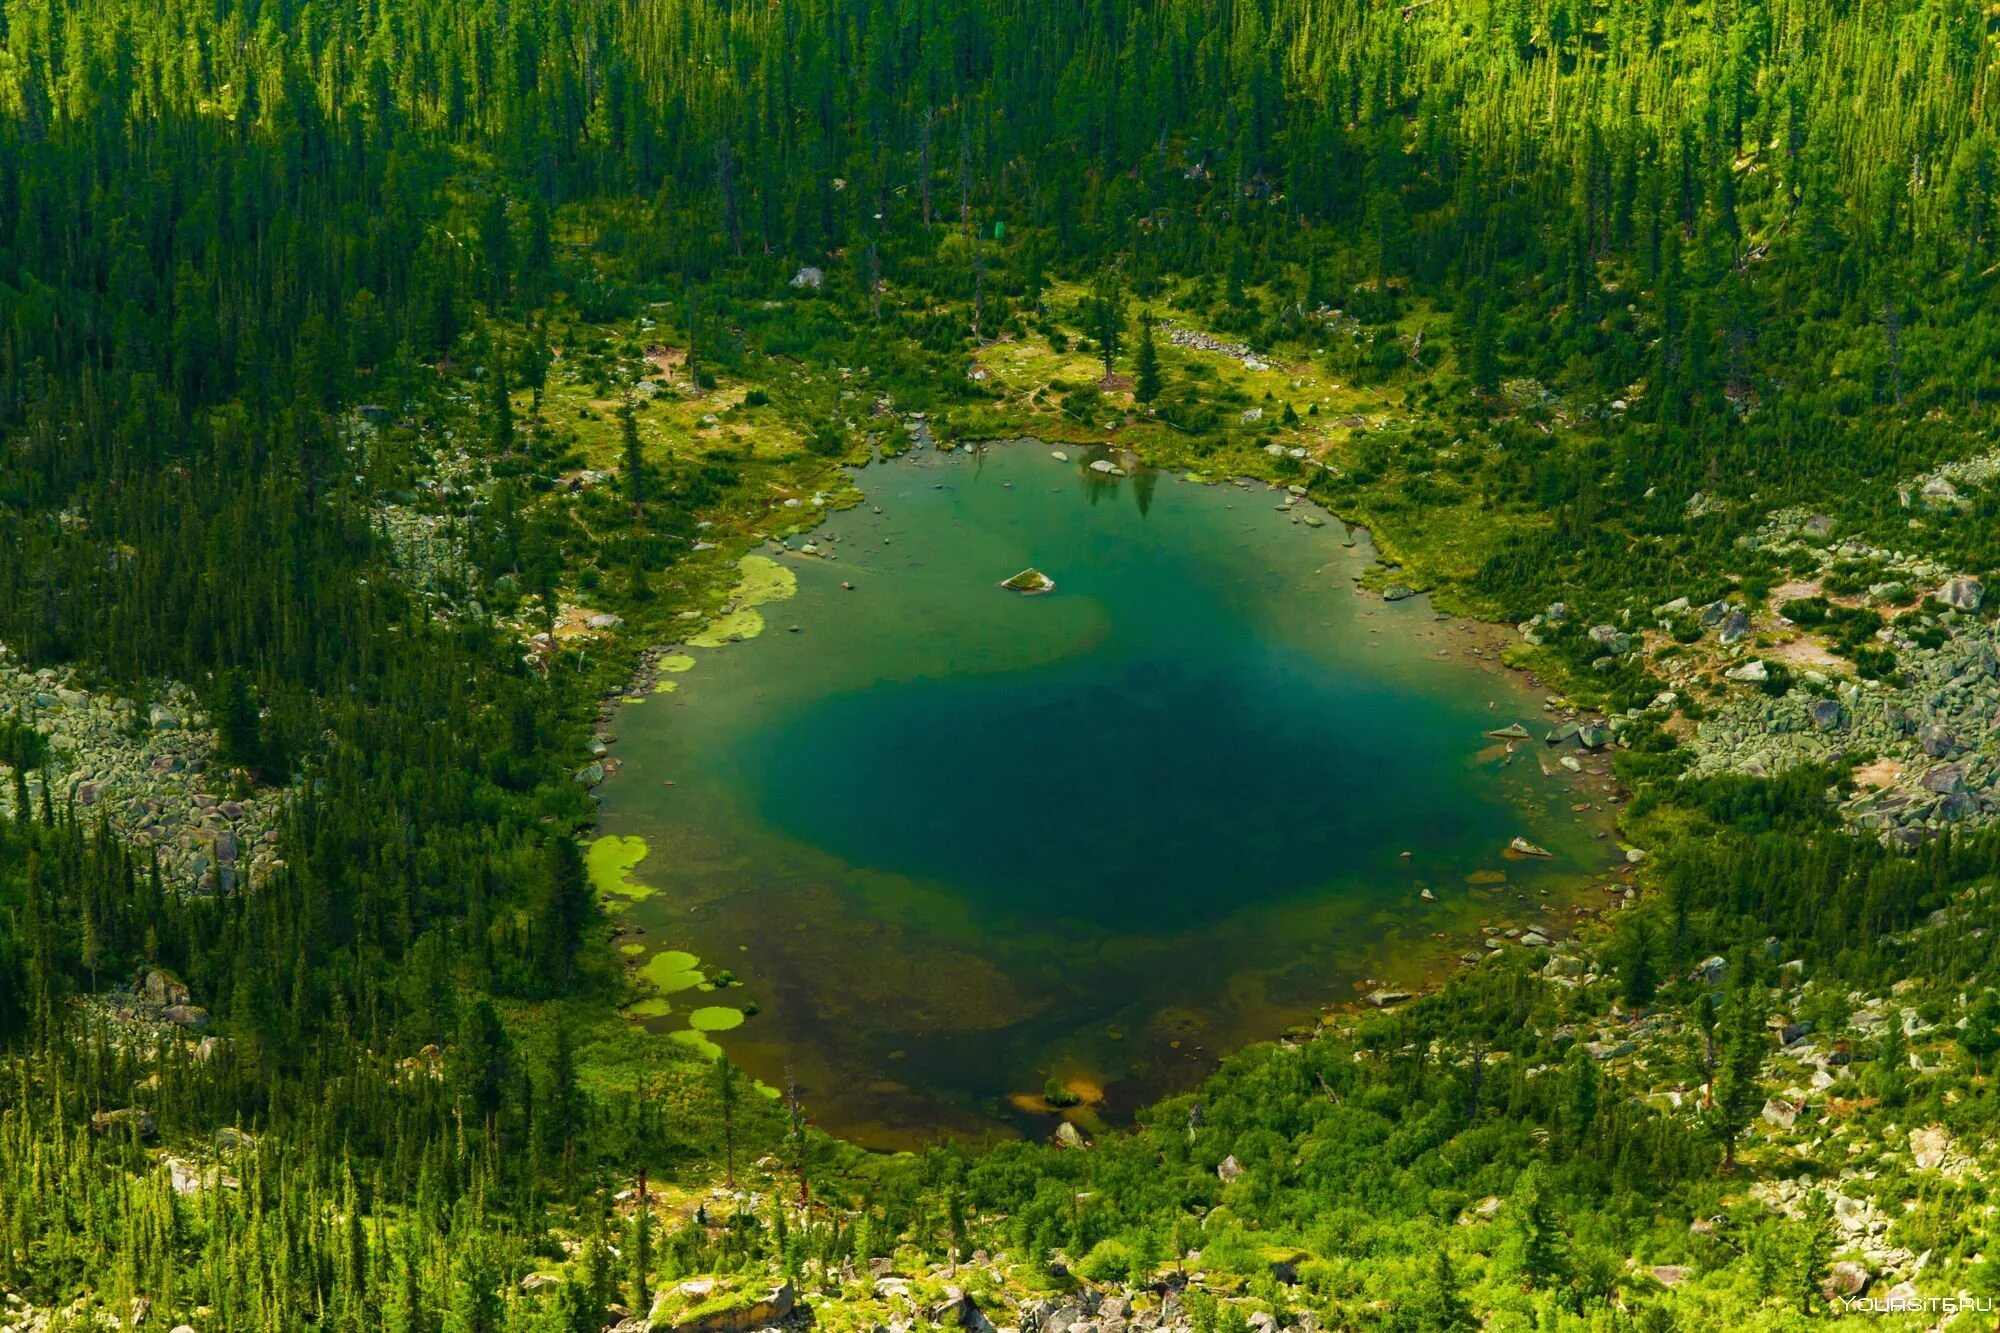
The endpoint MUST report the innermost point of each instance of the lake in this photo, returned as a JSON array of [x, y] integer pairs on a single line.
[[947, 843]]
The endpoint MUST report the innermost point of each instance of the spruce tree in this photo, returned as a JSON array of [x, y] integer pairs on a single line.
[[1738, 1091], [632, 456], [1146, 364], [1980, 1036], [1107, 319]]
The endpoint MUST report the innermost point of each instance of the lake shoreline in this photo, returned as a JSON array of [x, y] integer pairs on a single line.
[[1463, 643]]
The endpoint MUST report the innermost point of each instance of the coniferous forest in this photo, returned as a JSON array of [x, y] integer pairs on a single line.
[[1629, 304]]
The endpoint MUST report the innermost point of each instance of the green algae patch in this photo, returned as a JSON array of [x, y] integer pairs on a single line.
[[665, 686], [672, 970], [740, 624], [610, 860], [677, 663], [630, 949], [698, 1041], [715, 1018], [655, 1006], [763, 580]]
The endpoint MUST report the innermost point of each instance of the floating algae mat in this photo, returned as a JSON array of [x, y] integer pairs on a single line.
[[954, 841], [610, 861]]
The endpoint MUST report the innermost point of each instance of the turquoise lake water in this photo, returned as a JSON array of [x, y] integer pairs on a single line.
[[955, 841]]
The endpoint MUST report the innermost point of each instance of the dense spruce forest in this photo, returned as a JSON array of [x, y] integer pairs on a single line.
[[260, 259]]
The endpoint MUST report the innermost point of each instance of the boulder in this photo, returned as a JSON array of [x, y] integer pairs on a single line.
[[1753, 672], [1512, 732], [960, 1311], [1069, 1136], [1845, 1278], [1944, 779], [1827, 714], [1611, 639], [1938, 493], [1029, 582], [126, 1120], [1384, 997], [1735, 626], [1930, 1147], [1958, 805], [738, 1316], [1937, 742], [1522, 847], [1962, 593], [1229, 1169], [160, 987], [1398, 592]]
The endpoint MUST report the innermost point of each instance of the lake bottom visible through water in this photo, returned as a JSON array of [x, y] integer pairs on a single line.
[[948, 848]]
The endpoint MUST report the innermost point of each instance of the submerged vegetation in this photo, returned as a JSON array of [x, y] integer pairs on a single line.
[[390, 374]]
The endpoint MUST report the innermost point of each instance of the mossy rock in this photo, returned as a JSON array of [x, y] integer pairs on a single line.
[[1031, 582]]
